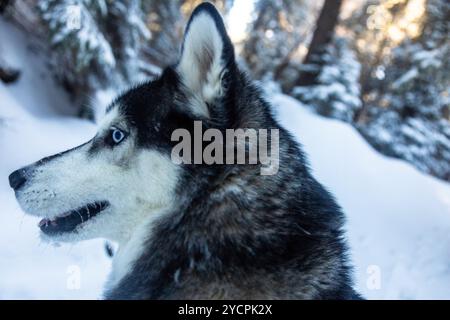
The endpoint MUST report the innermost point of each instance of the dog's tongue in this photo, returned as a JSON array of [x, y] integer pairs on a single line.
[[47, 223], [60, 224], [68, 221], [44, 222]]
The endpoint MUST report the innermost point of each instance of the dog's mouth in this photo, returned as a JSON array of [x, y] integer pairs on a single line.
[[68, 221]]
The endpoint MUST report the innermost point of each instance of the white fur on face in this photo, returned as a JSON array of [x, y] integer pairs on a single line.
[[136, 183], [201, 66]]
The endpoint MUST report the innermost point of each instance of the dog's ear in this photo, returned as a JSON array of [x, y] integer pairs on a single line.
[[207, 54]]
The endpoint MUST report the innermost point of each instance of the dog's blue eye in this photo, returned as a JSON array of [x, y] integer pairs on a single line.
[[117, 136]]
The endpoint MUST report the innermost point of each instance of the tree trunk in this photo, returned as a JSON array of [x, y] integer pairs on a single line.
[[323, 34]]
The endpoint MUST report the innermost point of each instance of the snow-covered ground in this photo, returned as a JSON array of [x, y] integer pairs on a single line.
[[398, 219]]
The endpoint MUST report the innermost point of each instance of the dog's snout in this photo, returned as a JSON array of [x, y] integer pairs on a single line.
[[17, 179]]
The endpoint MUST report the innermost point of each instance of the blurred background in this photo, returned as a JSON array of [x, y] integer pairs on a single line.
[[379, 68], [382, 66]]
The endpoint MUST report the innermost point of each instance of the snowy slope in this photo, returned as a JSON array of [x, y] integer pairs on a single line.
[[398, 218]]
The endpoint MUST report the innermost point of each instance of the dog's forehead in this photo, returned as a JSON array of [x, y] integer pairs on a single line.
[[142, 103], [112, 116]]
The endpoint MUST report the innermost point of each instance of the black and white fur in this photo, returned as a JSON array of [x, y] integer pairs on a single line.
[[193, 231]]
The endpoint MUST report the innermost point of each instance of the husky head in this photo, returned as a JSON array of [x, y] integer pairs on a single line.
[[124, 174]]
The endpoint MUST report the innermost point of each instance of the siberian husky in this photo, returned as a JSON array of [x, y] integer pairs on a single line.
[[189, 230]]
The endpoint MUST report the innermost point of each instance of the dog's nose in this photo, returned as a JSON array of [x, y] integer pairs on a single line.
[[17, 179]]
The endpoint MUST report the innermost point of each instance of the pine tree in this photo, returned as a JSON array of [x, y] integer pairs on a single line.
[[95, 43], [411, 119], [275, 37], [126, 30], [166, 21], [79, 45], [336, 92]]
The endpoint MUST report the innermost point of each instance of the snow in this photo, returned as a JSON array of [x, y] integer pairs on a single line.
[[75, 21], [429, 58], [398, 218], [405, 78]]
